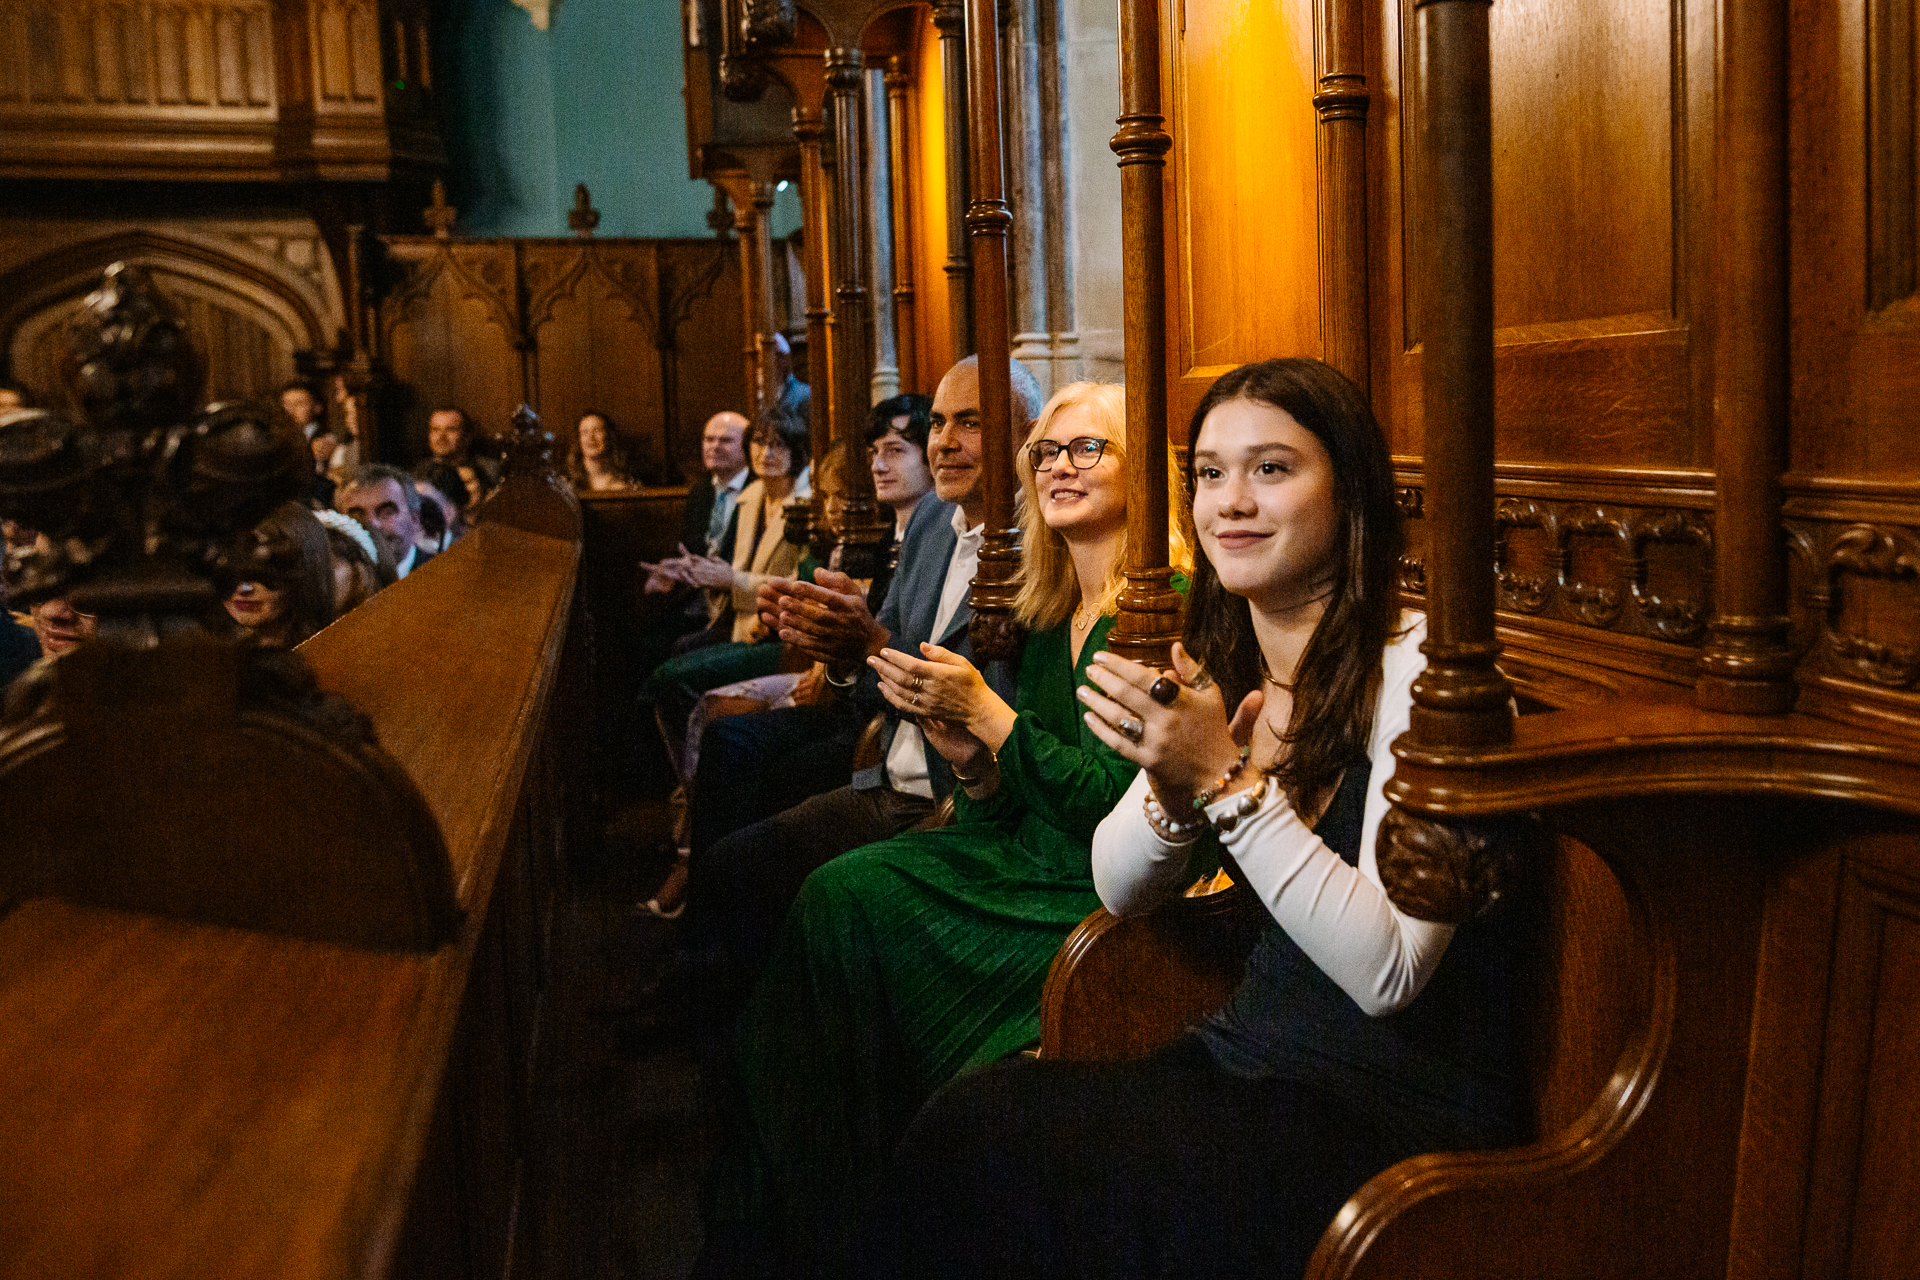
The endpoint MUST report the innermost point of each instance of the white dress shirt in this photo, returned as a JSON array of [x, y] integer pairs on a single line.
[[907, 758]]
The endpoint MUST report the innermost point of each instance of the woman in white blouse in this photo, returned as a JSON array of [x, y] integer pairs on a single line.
[[1359, 1035]]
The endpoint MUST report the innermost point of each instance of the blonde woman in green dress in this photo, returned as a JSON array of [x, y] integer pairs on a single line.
[[906, 962]]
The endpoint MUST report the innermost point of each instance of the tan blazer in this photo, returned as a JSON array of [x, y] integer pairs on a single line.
[[759, 554]]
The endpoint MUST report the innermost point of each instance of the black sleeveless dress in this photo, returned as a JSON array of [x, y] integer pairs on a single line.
[[1228, 1152]]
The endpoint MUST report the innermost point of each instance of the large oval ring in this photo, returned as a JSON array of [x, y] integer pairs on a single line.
[[1131, 729], [1164, 691]]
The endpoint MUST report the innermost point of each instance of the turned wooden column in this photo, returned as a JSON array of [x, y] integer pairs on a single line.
[[994, 633], [1461, 699], [950, 18], [899, 122], [752, 210], [1150, 609], [1746, 662], [808, 127], [1341, 101], [852, 319]]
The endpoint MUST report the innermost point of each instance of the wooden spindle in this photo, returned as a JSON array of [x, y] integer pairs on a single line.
[[852, 318], [995, 635], [1461, 699], [900, 121], [1341, 100], [1747, 660], [1150, 609], [808, 128], [950, 19]]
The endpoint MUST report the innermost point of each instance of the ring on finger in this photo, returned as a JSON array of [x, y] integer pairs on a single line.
[[919, 683], [1131, 728], [1164, 691]]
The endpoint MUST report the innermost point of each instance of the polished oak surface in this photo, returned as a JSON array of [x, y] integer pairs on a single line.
[[190, 1100]]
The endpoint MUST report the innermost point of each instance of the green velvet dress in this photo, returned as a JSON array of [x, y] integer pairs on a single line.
[[905, 962]]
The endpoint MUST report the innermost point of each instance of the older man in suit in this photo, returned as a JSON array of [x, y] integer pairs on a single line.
[[740, 886]]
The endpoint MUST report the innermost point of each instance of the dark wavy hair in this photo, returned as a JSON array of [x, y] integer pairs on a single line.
[[576, 465], [779, 426], [1338, 680], [916, 409]]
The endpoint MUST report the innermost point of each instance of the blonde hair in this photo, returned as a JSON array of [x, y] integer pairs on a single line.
[[1049, 584]]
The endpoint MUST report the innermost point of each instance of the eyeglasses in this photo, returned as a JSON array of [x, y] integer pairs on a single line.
[[1081, 451]]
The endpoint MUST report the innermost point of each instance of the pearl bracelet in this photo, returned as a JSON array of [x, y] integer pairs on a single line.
[[1175, 833]]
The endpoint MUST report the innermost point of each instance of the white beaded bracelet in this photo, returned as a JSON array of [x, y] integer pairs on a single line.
[[1174, 833]]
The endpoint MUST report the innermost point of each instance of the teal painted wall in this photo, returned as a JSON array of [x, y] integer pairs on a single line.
[[596, 98]]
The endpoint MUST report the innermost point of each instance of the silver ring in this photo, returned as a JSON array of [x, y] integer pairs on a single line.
[[1131, 729]]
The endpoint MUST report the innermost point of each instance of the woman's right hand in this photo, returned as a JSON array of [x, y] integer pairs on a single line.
[[1184, 747]]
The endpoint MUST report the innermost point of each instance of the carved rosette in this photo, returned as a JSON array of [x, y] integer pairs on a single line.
[[1447, 872]]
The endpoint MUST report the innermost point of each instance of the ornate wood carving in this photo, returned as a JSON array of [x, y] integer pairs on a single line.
[[1449, 871], [1151, 611], [1747, 664], [994, 634], [148, 508], [1461, 699], [1867, 554]]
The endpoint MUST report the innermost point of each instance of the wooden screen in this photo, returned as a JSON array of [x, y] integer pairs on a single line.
[[646, 331]]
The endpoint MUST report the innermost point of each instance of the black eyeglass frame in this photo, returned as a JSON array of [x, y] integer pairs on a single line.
[[1041, 453]]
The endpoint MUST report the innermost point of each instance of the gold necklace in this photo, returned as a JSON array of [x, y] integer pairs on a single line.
[[1091, 618], [1267, 675]]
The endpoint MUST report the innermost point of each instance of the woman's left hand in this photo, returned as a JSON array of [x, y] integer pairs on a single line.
[[944, 686], [707, 571]]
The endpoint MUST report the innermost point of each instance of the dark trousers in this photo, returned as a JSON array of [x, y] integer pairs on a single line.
[[756, 765], [738, 893], [1162, 1166]]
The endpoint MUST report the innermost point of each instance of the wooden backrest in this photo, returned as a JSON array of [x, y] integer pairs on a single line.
[[192, 1099]]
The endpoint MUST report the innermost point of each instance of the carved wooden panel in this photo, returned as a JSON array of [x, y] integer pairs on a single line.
[[1602, 170], [111, 58], [1856, 302], [1243, 250], [647, 331]]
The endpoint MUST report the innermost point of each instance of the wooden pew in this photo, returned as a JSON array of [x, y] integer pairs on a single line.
[[189, 1099]]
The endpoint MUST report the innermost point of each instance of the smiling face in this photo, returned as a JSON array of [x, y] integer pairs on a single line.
[[593, 437], [899, 466], [60, 627], [953, 441], [1263, 504], [255, 605], [1074, 503]]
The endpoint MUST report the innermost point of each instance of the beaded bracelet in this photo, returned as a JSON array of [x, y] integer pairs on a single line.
[[1246, 806], [1175, 833], [1205, 798]]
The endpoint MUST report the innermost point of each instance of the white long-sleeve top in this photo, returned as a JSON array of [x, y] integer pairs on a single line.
[[1338, 914]]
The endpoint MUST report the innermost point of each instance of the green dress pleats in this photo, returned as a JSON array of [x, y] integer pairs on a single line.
[[905, 962]]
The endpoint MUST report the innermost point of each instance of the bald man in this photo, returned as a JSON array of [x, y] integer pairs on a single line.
[[708, 523]]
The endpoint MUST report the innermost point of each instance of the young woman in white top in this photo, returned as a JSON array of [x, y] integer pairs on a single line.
[[1359, 1036]]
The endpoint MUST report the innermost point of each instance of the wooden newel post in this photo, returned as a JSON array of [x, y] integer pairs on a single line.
[[853, 321], [950, 18], [1150, 609], [1747, 661], [1461, 699], [995, 635], [900, 125], [808, 129]]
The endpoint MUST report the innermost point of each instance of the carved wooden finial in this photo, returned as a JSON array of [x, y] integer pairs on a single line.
[[439, 215], [583, 217], [529, 446]]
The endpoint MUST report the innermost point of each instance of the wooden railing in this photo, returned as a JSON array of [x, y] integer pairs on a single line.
[[187, 1099]]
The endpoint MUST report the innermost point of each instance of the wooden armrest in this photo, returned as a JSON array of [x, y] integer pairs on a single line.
[[1120, 988]]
